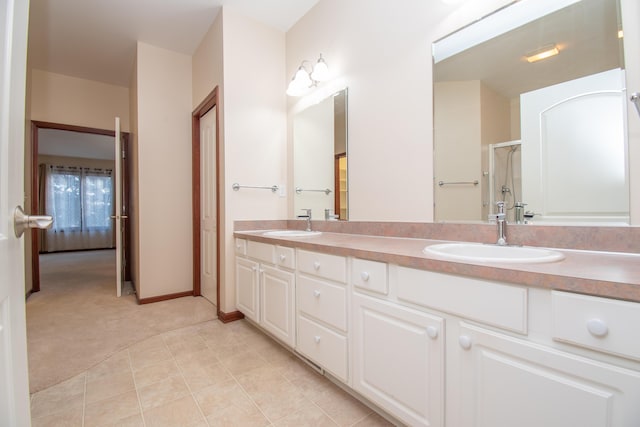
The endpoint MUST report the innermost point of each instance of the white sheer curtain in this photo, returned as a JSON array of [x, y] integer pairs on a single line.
[[81, 203]]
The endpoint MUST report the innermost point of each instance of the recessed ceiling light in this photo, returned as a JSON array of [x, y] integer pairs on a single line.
[[542, 53]]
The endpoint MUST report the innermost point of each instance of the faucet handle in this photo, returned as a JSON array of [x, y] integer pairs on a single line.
[[307, 211], [500, 205]]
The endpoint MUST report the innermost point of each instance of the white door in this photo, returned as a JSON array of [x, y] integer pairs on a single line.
[[247, 289], [118, 218], [14, 384], [399, 360], [506, 382], [208, 206], [558, 122], [277, 313]]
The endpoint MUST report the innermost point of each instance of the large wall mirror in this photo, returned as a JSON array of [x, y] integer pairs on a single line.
[[546, 134], [320, 158]]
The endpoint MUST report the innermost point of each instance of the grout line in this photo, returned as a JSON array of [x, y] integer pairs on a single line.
[[84, 396], [135, 386]]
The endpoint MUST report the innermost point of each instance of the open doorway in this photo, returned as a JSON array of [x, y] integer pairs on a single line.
[[82, 166]]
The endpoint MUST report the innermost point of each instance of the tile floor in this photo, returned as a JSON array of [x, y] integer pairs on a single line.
[[209, 374]]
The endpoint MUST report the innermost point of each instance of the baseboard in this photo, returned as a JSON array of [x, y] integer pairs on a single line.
[[229, 317], [164, 297]]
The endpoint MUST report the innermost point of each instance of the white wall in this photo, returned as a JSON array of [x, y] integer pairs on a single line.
[[382, 52], [164, 171], [254, 130], [69, 100]]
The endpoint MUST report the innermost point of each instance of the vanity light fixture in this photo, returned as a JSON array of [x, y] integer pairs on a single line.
[[304, 79], [542, 53]]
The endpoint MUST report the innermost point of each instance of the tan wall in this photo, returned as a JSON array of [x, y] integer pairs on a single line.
[[62, 99], [255, 151], [381, 50], [207, 66], [134, 216], [164, 171]]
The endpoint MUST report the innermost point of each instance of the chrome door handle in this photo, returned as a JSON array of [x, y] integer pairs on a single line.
[[22, 222]]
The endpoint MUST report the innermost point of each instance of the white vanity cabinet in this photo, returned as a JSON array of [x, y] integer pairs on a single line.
[[507, 381], [322, 309], [265, 288], [398, 360]]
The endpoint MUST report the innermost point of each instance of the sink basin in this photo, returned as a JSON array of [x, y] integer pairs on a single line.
[[291, 233], [478, 252]]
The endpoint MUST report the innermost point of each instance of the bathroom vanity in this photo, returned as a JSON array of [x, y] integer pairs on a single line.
[[435, 342]]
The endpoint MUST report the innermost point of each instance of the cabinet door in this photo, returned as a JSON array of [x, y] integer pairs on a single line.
[[277, 313], [508, 382], [399, 360], [247, 288]]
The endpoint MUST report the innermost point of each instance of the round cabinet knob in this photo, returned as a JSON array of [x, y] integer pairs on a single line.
[[364, 276], [597, 327], [432, 331], [465, 341], [316, 265], [283, 257], [316, 294], [316, 338]]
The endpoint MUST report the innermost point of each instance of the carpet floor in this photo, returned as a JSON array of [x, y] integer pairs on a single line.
[[76, 321]]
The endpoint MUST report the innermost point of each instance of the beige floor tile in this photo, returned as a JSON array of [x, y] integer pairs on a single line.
[[132, 421], [307, 416], [140, 359], [148, 344], [155, 373], [261, 380], [232, 416], [243, 362], [220, 397], [163, 392], [112, 410], [373, 420], [71, 417], [279, 401], [103, 387], [61, 397], [199, 376], [183, 412], [186, 346], [115, 364], [342, 407], [204, 356]]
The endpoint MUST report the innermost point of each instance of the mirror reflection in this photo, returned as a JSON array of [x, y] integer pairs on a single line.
[[545, 135], [320, 159]]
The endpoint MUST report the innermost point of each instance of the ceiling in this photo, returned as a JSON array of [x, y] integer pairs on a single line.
[[96, 39], [585, 32]]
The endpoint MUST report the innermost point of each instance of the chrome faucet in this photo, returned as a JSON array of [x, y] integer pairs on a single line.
[[501, 220], [307, 217]]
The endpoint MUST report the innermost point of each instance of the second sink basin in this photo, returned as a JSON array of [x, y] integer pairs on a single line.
[[291, 233], [478, 252]]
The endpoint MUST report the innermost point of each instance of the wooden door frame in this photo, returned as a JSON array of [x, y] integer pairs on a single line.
[[205, 106], [35, 199]]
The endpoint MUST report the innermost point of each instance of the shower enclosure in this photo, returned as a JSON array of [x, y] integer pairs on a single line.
[[505, 176]]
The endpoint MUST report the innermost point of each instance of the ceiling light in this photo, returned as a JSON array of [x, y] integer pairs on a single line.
[[542, 53], [304, 79]]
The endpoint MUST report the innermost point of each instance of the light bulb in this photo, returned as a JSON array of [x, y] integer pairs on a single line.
[[302, 77], [320, 71]]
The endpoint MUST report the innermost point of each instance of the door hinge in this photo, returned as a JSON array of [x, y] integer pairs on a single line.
[[124, 154]]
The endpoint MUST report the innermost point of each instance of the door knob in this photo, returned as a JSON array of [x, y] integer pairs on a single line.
[[22, 222]]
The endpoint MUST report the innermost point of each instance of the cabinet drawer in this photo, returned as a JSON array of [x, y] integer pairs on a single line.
[[241, 247], [369, 275], [323, 346], [498, 305], [324, 265], [286, 257], [261, 251], [324, 301], [602, 324]]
